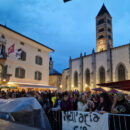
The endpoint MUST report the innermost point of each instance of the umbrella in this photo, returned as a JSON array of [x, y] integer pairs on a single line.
[[99, 89], [113, 91]]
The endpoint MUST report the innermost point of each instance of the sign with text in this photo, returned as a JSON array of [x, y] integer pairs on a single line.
[[77, 120]]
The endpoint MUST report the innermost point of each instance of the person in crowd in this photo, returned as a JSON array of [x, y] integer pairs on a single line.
[[57, 105], [39, 98], [47, 102], [75, 102], [53, 99], [120, 104], [71, 98], [104, 105], [66, 103], [128, 98], [82, 104], [23, 93], [95, 99]]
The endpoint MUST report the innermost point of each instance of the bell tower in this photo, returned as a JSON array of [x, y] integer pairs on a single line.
[[104, 36]]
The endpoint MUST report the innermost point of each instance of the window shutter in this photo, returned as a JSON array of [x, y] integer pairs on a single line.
[[36, 59], [5, 69], [24, 56], [35, 75], [40, 76], [41, 61], [16, 72], [23, 73]]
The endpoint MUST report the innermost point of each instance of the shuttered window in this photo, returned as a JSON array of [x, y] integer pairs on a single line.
[[38, 60], [19, 73], [5, 69], [23, 56], [38, 75]]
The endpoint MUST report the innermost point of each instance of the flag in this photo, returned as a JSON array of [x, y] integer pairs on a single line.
[[11, 49], [66, 1], [18, 53]]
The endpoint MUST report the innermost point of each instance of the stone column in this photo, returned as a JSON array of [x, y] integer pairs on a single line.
[[81, 73], [93, 73], [109, 64], [70, 73]]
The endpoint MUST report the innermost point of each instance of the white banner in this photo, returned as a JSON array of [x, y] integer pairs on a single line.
[[77, 120]]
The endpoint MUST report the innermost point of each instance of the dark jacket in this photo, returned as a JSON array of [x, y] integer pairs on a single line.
[[104, 107], [66, 105], [123, 107]]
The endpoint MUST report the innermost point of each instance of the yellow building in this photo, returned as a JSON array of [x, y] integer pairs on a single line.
[[31, 70], [55, 77]]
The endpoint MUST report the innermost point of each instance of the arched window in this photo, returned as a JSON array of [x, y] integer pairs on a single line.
[[102, 75], [87, 76], [121, 73], [20, 73], [23, 56], [76, 79], [38, 60], [38, 75]]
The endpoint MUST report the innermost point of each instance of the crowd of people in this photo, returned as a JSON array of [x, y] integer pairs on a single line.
[[67, 101]]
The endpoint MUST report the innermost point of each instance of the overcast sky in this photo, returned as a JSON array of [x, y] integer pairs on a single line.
[[68, 28]]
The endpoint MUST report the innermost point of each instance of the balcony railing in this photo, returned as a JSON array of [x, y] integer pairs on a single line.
[[116, 121]]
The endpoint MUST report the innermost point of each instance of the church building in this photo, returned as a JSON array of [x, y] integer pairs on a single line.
[[106, 64]]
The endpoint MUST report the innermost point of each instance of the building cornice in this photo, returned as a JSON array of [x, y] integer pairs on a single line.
[[9, 29], [102, 51]]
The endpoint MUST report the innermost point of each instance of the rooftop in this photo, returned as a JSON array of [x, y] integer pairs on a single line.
[[103, 10], [55, 72], [25, 36]]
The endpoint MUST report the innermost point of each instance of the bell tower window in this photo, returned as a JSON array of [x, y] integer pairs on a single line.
[[101, 30], [100, 37]]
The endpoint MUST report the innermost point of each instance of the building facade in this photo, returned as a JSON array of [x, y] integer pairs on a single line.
[[32, 67], [106, 64], [55, 77]]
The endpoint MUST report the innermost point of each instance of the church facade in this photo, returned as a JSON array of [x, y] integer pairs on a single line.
[[106, 64]]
